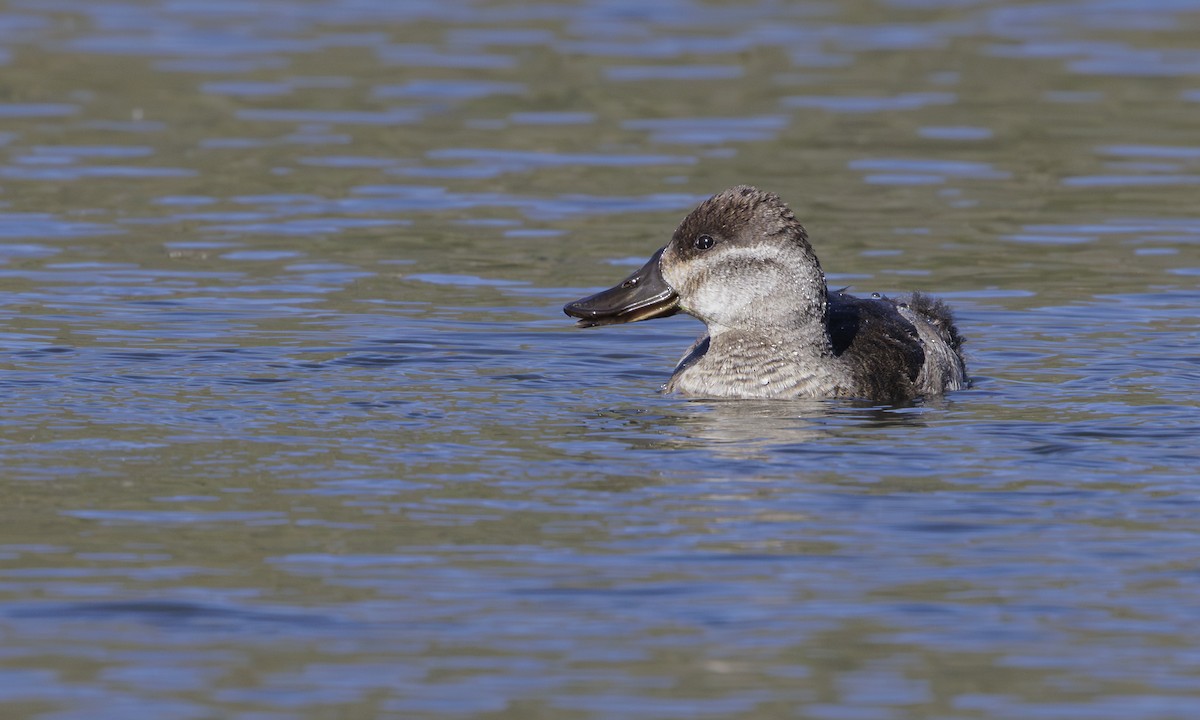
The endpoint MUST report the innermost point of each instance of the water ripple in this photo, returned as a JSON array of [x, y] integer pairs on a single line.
[[710, 130], [36, 110], [393, 116], [43, 225], [852, 104], [252, 353]]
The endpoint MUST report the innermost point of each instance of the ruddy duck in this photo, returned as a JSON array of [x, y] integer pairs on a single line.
[[742, 264]]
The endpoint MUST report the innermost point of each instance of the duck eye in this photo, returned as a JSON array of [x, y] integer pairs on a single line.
[[704, 242]]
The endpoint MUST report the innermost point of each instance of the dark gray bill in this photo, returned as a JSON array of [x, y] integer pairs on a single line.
[[641, 296]]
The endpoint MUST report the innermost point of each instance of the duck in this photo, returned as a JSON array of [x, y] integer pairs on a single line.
[[741, 263]]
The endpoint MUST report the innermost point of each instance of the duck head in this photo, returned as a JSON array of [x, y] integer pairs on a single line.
[[739, 260]]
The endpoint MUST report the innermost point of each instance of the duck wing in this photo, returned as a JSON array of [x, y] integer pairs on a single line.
[[883, 348]]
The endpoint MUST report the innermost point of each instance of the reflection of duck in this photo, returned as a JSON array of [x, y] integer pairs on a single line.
[[741, 263]]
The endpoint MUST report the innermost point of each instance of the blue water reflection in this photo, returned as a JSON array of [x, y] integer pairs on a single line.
[[293, 425]]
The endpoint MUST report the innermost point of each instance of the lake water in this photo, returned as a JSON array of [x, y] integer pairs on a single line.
[[293, 425]]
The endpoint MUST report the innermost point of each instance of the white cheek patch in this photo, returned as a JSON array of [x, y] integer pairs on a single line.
[[733, 296], [716, 300], [729, 286]]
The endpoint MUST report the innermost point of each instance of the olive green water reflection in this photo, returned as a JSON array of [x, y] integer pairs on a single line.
[[293, 426]]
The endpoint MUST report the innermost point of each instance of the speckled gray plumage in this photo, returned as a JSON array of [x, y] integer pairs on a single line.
[[875, 353]]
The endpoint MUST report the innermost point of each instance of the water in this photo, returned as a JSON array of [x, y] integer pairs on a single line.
[[293, 426]]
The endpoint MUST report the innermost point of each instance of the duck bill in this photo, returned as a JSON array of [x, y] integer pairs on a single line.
[[641, 296]]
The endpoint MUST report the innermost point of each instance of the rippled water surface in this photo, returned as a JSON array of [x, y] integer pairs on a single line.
[[293, 426]]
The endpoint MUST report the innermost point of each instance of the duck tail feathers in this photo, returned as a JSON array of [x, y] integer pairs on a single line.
[[940, 316]]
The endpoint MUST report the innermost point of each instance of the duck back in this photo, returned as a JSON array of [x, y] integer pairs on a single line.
[[879, 350]]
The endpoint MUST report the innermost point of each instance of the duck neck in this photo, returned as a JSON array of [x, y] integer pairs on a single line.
[[810, 339], [792, 314]]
